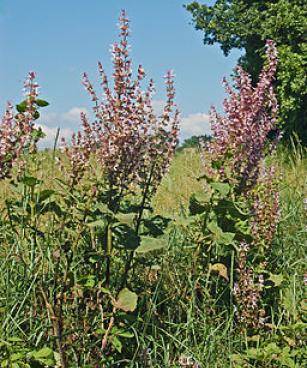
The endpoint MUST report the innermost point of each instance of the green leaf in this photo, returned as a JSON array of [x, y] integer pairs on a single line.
[[105, 291], [126, 218], [149, 244], [17, 356], [222, 188], [220, 236], [116, 344], [97, 223], [45, 194], [15, 339], [126, 300], [42, 353], [36, 115], [276, 279], [125, 237], [30, 181], [122, 333], [202, 196], [22, 106], [88, 281], [41, 103], [220, 269], [196, 207]]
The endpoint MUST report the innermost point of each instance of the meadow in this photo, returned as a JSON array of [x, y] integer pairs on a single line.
[[121, 251]]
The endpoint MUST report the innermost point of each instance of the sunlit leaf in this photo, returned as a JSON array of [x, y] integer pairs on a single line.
[[126, 300], [149, 244], [220, 269]]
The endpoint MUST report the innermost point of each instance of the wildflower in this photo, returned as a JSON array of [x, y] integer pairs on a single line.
[[250, 114], [16, 130], [130, 142]]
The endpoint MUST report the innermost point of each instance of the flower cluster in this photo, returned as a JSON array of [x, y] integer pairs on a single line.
[[16, 130], [251, 114], [131, 143], [247, 293], [80, 151], [237, 154], [266, 211]]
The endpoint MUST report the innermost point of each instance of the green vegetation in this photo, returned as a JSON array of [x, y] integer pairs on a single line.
[[109, 259], [177, 316], [246, 24]]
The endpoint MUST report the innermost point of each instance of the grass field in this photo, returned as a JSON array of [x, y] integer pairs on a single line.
[[181, 321]]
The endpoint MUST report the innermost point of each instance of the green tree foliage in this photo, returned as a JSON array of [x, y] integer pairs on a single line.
[[193, 142], [246, 24]]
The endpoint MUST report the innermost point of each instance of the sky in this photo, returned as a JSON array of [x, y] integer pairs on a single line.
[[60, 40]]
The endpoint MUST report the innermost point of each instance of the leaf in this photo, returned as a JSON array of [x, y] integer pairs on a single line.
[[36, 115], [126, 218], [125, 237], [97, 223], [276, 279], [16, 356], [88, 281], [41, 103], [202, 196], [45, 194], [122, 333], [221, 269], [15, 339], [149, 244], [220, 236], [42, 353], [22, 106], [223, 188], [116, 344], [155, 225], [195, 207], [105, 291], [30, 181], [126, 300]]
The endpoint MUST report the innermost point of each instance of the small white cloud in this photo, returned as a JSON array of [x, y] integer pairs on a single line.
[[158, 106], [195, 124], [68, 122], [51, 133], [73, 114], [56, 119]]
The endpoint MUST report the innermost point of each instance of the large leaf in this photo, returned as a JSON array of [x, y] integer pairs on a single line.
[[42, 353], [126, 218], [149, 244], [126, 300], [22, 106], [220, 236], [41, 103], [222, 188], [125, 236], [97, 223], [220, 269], [276, 279]]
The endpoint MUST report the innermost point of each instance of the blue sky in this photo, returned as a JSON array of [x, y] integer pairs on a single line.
[[61, 39]]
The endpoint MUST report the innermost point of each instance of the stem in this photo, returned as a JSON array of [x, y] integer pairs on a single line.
[[109, 250], [57, 329], [138, 224]]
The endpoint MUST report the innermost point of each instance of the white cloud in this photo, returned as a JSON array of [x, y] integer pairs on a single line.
[[51, 133], [58, 119], [194, 124], [73, 114], [68, 122], [158, 106]]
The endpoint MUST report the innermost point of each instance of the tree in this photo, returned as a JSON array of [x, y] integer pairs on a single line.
[[193, 142], [247, 24]]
